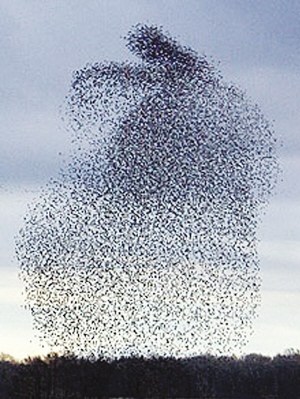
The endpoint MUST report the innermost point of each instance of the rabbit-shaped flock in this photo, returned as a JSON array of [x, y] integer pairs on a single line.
[[146, 243]]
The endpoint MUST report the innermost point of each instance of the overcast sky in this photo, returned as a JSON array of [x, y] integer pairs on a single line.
[[42, 42]]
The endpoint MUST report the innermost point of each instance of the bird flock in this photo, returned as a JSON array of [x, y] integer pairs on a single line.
[[145, 244]]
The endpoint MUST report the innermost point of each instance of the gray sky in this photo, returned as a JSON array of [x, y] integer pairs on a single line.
[[42, 42]]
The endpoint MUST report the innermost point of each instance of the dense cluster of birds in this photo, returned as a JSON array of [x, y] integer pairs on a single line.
[[146, 243]]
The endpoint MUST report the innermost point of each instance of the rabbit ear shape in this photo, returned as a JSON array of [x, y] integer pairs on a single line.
[[152, 45]]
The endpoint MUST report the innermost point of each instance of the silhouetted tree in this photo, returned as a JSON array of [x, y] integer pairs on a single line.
[[207, 377]]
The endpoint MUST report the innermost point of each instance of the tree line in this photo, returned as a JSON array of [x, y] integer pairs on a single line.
[[208, 377]]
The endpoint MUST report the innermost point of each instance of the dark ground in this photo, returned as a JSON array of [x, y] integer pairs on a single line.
[[67, 377]]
